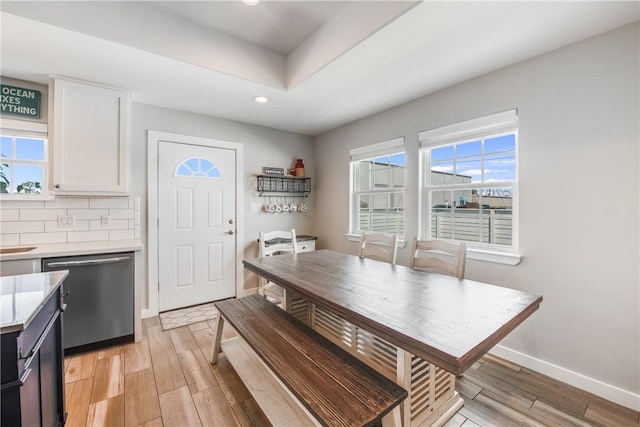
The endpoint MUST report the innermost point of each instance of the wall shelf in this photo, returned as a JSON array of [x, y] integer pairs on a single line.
[[283, 184]]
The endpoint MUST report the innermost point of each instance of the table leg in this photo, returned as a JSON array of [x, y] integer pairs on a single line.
[[217, 331], [392, 419]]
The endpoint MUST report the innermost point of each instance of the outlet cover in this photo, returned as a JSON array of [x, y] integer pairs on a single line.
[[66, 221]]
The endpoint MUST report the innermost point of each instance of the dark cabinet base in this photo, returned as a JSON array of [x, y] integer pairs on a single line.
[[32, 371]]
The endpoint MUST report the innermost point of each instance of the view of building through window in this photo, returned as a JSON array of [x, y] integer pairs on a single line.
[[471, 189], [379, 189]]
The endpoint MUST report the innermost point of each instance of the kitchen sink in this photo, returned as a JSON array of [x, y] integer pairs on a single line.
[[16, 250]]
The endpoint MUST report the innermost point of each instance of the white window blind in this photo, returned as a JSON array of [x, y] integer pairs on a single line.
[[384, 148], [504, 122]]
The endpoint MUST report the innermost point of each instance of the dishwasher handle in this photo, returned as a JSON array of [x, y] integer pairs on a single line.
[[87, 262]]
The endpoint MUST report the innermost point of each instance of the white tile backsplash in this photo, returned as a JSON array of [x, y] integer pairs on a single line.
[[121, 213], [116, 224], [42, 238], [79, 225], [10, 240], [22, 227], [121, 235], [41, 214], [67, 203], [19, 204], [36, 222], [87, 236], [112, 203], [88, 214], [9, 215]]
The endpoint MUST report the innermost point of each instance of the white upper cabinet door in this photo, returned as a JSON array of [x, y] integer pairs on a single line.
[[90, 139]]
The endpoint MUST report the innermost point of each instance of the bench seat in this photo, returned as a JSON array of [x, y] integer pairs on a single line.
[[336, 388]]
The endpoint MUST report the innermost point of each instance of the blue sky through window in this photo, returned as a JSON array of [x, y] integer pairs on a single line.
[[394, 159], [197, 167], [490, 161]]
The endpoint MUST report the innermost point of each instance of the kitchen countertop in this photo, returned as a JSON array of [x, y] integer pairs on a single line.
[[22, 297], [79, 248]]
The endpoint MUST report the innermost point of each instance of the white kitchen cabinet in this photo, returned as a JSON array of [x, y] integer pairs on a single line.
[[21, 266], [90, 138]]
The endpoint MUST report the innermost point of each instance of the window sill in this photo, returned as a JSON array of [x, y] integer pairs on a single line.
[[475, 254], [491, 256]]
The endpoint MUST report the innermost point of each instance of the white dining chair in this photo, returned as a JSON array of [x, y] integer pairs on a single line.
[[427, 255], [380, 246], [280, 242]]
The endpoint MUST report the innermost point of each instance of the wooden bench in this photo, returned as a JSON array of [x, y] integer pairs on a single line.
[[333, 386]]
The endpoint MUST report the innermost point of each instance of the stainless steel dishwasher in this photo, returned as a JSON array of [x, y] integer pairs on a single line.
[[99, 298]]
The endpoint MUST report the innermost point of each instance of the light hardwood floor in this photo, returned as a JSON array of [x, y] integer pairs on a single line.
[[166, 380]]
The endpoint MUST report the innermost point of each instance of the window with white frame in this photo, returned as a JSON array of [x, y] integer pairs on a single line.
[[469, 182], [23, 159], [377, 187]]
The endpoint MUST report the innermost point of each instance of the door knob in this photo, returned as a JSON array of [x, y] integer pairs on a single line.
[[228, 232]]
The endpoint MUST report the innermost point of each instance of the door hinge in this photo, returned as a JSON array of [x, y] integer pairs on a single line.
[[158, 223]]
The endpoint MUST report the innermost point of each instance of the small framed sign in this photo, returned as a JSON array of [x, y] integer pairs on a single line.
[[19, 101], [273, 171]]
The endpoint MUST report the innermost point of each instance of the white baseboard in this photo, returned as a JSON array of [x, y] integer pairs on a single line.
[[146, 313], [599, 388]]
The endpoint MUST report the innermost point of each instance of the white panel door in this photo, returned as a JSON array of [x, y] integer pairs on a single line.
[[197, 223]]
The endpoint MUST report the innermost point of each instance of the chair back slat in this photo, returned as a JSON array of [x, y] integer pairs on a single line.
[[275, 247], [427, 255], [380, 246], [289, 246]]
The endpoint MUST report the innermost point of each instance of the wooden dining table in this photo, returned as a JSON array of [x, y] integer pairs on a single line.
[[419, 329]]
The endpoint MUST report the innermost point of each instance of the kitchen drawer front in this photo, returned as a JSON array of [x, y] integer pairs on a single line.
[[29, 337], [306, 246]]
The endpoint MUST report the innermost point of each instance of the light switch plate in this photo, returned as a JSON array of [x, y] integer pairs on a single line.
[[254, 207]]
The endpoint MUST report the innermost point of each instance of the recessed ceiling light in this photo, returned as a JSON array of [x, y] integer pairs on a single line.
[[261, 99], [250, 2]]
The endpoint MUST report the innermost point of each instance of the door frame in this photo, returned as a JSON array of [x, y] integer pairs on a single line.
[[153, 140]]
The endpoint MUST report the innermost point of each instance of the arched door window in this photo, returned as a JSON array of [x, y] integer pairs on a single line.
[[197, 167]]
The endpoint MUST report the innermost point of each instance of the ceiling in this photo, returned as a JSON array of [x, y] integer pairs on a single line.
[[322, 63]]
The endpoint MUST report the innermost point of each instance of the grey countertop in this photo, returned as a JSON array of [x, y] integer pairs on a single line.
[[22, 297]]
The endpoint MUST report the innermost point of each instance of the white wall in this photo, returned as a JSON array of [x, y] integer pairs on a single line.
[[262, 147], [578, 145]]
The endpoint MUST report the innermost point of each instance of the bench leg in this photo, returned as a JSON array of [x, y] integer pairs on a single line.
[[392, 419], [217, 331]]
